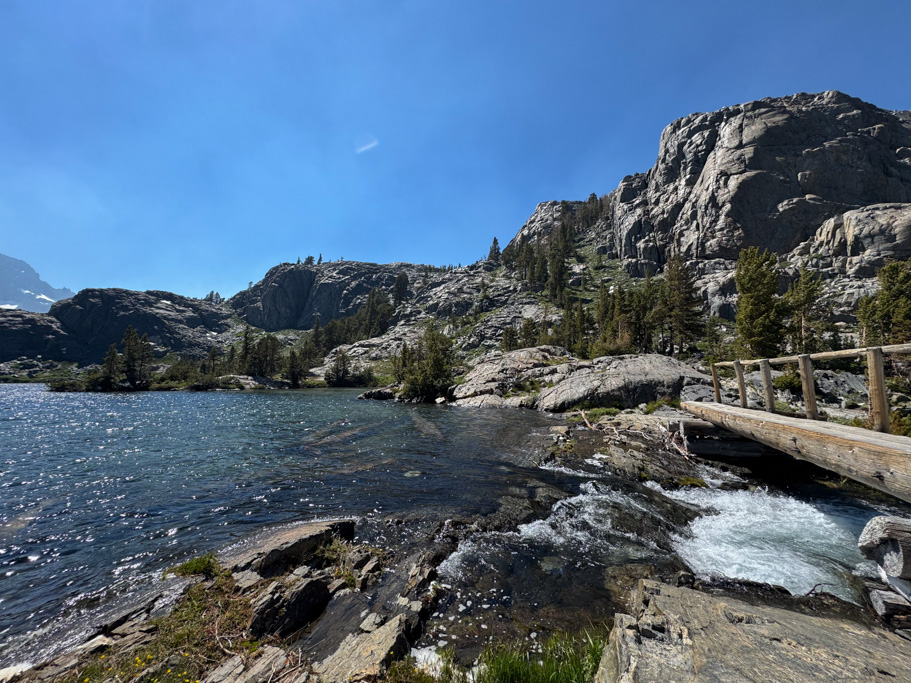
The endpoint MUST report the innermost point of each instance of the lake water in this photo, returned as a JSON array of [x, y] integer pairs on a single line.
[[99, 492]]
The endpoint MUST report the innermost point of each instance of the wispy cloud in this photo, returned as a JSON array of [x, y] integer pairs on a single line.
[[369, 145]]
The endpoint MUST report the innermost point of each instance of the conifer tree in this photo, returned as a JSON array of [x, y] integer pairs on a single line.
[[510, 339], [886, 318], [137, 354], [429, 374], [400, 291], [110, 369], [807, 313], [682, 308], [294, 370], [760, 314], [528, 333], [494, 253]]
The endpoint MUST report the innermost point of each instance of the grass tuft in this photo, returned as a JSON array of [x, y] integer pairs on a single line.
[[203, 565]]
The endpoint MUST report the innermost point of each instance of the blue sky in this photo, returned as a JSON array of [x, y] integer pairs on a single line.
[[190, 146]]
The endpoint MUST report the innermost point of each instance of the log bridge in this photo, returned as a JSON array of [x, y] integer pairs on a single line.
[[873, 457]]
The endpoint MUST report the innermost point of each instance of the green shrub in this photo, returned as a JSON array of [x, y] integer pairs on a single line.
[[789, 381], [900, 425], [666, 401]]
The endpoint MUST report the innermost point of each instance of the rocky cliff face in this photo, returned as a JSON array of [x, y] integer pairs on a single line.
[[769, 174], [292, 296]]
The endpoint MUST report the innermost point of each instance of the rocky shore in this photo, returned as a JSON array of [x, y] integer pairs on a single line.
[[342, 600]]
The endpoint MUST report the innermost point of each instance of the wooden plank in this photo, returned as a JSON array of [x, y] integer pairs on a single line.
[[741, 384], [879, 400], [768, 389], [882, 461], [716, 383], [805, 366]]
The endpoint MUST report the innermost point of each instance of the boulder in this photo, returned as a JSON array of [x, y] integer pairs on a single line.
[[498, 373], [618, 381]]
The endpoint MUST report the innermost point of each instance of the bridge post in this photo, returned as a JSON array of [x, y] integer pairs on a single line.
[[716, 384], [767, 387], [741, 385], [879, 400], [805, 366]]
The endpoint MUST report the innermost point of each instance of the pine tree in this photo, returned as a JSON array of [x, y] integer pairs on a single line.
[[683, 309], [886, 318], [246, 349], [510, 339], [110, 369], [429, 375], [806, 312], [760, 314], [494, 253], [137, 355], [210, 365], [400, 291], [528, 333], [309, 261], [339, 372], [540, 277]]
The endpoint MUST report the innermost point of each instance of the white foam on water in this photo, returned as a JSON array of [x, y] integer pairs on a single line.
[[775, 539]]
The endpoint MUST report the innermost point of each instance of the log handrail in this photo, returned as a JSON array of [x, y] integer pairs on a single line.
[[823, 355], [879, 403]]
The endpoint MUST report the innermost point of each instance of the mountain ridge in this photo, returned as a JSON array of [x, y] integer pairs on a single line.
[[22, 288], [823, 180]]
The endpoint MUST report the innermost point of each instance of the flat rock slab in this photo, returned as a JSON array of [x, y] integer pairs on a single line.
[[270, 665], [680, 634], [365, 656], [282, 549]]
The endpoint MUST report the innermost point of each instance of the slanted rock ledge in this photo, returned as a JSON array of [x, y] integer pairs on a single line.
[[681, 634]]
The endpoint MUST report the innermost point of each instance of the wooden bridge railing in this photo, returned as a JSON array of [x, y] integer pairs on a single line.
[[879, 401]]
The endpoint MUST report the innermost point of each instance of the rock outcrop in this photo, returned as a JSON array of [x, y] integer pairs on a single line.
[[548, 378], [680, 634], [82, 328], [293, 296]]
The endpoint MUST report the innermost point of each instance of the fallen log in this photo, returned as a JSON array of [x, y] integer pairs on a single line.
[[887, 541]]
